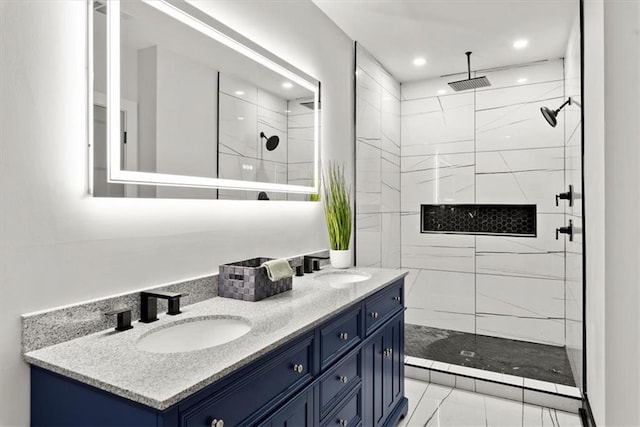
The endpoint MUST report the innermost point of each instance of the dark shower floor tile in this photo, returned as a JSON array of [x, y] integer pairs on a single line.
[[524, 359]]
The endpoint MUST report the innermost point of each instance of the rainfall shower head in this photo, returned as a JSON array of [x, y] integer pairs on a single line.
[[272, 141], [551, 115], [470, 83]]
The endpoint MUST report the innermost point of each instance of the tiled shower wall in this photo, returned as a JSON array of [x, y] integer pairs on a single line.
[[573, 175], [377, 227], [488, 146]]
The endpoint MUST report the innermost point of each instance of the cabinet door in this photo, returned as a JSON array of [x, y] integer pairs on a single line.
[[297, 413], [372, 378], [394, 362], [383, 371]]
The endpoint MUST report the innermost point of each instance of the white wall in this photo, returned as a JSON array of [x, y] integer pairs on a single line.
[[622, 212], [612, 194], [60, 246]]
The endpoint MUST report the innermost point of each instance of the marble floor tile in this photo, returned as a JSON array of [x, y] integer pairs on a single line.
[[443, 406]]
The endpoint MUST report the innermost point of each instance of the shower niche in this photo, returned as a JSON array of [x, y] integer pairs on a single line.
[[490, 220]]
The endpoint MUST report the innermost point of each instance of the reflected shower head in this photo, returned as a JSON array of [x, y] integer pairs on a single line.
[[551, 115], [272, 141], [470, 83]]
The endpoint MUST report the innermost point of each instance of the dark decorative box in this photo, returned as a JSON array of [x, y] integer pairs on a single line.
[[247, 280]]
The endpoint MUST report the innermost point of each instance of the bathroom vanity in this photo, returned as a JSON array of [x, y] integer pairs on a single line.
[[327, 353]]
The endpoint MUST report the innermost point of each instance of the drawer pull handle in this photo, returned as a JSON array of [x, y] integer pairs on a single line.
[[343, 423], [387, 352], [217, 423], [344, 379], [396, 299], [344, 336], [298, 368], [374, 314]]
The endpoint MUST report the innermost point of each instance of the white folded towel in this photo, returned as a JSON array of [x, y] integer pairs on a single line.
[[278, 269]]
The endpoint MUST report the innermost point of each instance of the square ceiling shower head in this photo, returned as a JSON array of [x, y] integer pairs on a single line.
[[467, 84]]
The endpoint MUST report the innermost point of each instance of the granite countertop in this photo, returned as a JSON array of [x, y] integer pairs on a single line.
[[110, 360]]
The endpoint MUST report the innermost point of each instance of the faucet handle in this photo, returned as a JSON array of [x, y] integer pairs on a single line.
[[123, 316]]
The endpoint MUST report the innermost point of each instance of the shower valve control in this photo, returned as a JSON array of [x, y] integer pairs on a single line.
[[565, 230], [565, 196], [374, 314]]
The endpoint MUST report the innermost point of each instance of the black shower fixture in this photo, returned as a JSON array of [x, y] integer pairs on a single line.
[[470, 83], [272, 141], [263, 196], [550, 115]]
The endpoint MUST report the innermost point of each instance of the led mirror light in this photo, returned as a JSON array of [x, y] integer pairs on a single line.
[[115, 174]]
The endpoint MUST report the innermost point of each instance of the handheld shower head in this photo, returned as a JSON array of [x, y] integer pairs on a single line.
[[551, 115], [272, 141]]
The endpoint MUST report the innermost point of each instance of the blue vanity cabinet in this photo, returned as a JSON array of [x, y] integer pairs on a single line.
[[347, 371]]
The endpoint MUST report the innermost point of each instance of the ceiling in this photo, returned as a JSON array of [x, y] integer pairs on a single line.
[[441, 31]]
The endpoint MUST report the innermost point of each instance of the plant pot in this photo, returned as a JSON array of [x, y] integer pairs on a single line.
[[340, 259]]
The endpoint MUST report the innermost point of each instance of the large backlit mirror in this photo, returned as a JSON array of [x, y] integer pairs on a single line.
[[184, 107]]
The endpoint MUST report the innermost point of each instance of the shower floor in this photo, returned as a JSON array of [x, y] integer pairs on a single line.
[[524, 359]]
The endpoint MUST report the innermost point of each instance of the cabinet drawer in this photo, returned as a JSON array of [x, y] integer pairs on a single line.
[[245, 395], [337, 337], [349, 413], [338, 381], [381, 307]]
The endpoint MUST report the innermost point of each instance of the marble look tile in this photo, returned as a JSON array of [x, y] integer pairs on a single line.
[[435, 251], [271, 102], [437, 179], [499, 390], [230, 85], [238, 131], [540, 385], [390, 182], [519, 297], [447, 130], [552, 401], [368, 107], [545, 331], [465, 383], [413, 391], [537, 416], [569, 391], [367, 63], [527, 187], [540, 257], [410, 279], [520, 160], [440, 297], [238, 167], [368, 240], [272, 172], [390, 240], [519, 94], [516, 126], [368, 178], [415, 373], [390, 123], [429, 88], [389, 83], [534, 73], [443, 378], [432, 399]]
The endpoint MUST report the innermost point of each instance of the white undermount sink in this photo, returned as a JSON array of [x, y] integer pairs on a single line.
[[342, 279], [194, 335]]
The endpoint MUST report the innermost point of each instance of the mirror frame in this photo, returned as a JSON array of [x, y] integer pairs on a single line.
[[205, 24]]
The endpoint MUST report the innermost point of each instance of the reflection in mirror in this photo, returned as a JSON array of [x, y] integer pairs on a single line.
[[195, 112]]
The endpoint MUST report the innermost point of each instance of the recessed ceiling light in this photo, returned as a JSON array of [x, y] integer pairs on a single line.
[[419, 61], [507, 136], [520, 44], [287, 85], [442, 92], [522, 80], [287, 111], [239, 92], [240, 118]]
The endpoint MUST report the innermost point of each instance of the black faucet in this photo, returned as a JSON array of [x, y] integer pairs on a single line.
[[149, 304], [566, 230], [312, 262]]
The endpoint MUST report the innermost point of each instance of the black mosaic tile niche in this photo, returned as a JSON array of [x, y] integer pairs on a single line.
[[498, 220]]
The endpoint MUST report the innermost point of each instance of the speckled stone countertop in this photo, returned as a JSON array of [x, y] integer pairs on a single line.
[[110, 360]]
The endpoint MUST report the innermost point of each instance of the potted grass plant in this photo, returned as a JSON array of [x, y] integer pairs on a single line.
[[337, 210]]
